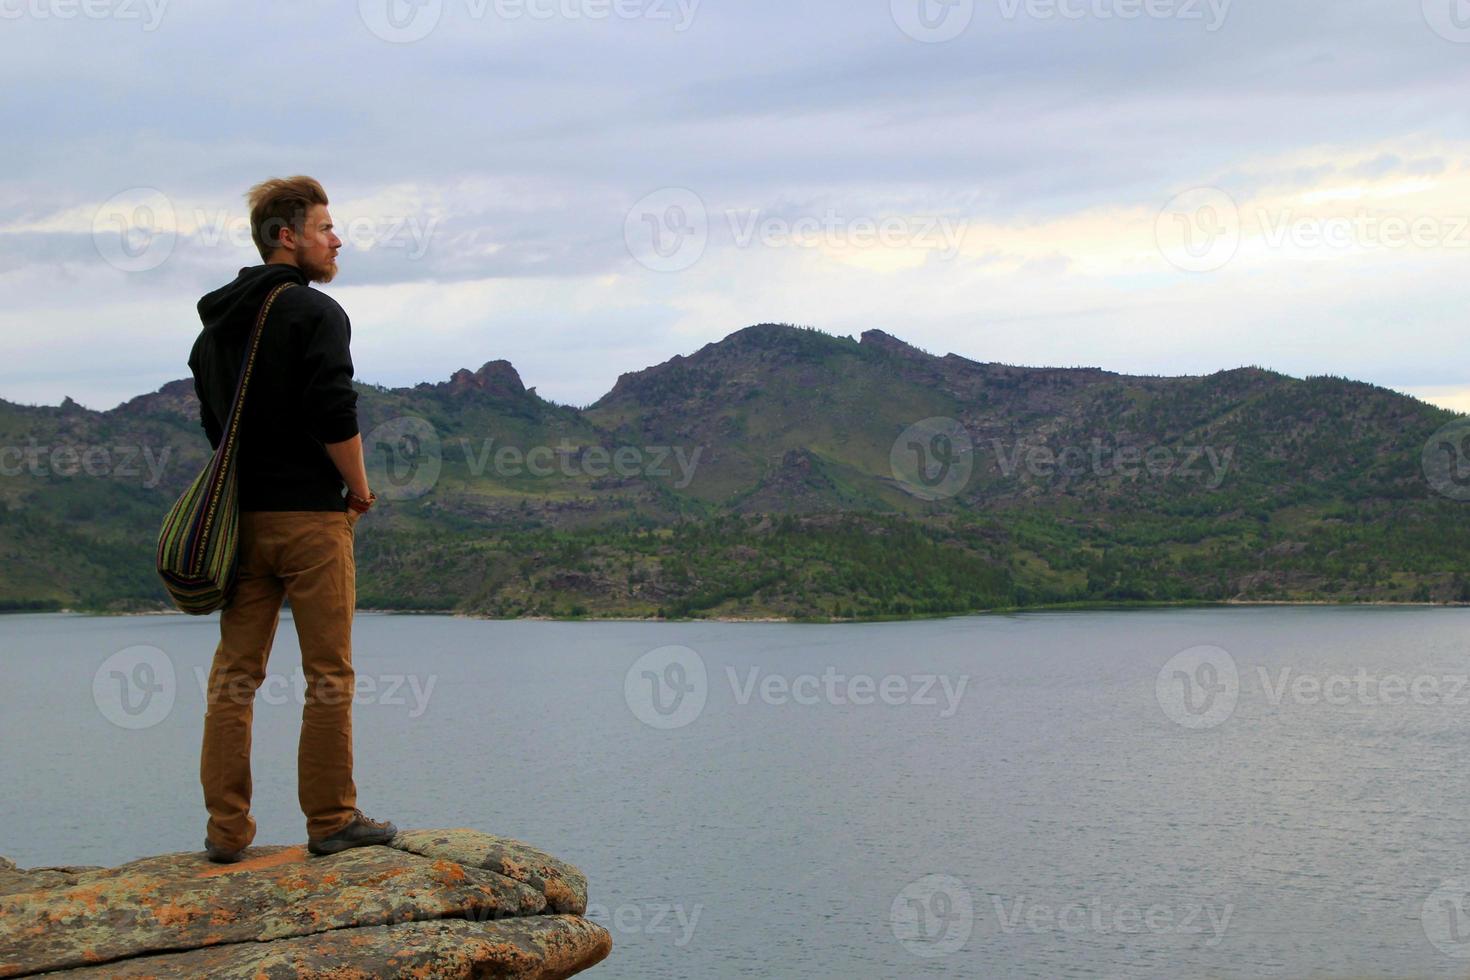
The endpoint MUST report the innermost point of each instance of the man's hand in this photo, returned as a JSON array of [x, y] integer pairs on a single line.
[[347, 456]]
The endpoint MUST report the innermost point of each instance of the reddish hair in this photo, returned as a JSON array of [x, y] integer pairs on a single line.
[[279, 202]]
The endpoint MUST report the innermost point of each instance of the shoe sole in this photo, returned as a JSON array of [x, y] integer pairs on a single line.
[[337, 847], [216, 856]]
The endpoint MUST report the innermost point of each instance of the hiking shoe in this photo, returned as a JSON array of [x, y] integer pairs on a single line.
[[219, 855], [361, 832]]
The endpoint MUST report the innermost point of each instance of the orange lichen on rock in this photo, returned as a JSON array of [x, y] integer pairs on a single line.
[[434, 904]]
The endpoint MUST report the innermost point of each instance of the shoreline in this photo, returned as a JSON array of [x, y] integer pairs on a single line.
[[1001, 611]]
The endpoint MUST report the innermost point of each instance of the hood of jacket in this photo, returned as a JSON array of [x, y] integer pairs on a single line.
[[232, 308]]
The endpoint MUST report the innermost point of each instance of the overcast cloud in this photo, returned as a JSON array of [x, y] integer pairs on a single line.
[[586, 187]]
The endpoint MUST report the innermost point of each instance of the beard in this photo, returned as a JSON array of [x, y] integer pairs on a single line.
[[318, 271]]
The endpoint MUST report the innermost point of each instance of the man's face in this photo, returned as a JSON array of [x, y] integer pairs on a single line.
[[317, 245]]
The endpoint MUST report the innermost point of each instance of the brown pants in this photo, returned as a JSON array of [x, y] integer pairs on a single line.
[[306, 557]]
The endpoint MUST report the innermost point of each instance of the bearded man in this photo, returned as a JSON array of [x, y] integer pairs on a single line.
[[303, 487]]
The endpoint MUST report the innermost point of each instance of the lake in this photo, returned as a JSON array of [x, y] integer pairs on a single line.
[[1249, 791]]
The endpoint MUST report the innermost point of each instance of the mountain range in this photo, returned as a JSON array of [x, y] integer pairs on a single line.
[[783, 471]]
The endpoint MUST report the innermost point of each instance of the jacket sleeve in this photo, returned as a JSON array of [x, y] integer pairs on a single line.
[[213, 430], [330, 400]]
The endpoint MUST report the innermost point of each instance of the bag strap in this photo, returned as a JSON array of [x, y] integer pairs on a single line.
[[233, 425]]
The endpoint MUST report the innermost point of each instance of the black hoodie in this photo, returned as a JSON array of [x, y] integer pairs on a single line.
[[300, 393]]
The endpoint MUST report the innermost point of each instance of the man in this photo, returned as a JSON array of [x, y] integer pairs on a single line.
[[299, 448]]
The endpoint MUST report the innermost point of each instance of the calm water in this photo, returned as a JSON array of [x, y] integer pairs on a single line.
[[1236, 792]]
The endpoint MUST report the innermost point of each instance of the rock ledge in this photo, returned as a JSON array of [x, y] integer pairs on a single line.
[[435, 903]]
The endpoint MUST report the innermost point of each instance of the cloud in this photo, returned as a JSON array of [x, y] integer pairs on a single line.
[[486, 173]]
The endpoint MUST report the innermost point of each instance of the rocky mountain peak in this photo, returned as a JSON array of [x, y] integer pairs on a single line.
[[494, 378]]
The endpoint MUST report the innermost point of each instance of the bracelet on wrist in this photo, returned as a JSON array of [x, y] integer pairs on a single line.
[[361, 504]]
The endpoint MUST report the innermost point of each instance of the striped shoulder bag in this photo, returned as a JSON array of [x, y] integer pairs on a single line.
[[199, 545]]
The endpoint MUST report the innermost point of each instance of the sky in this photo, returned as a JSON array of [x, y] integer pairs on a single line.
[[589, 187]]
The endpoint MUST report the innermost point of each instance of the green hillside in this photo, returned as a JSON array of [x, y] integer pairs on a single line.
[[786, 472]]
